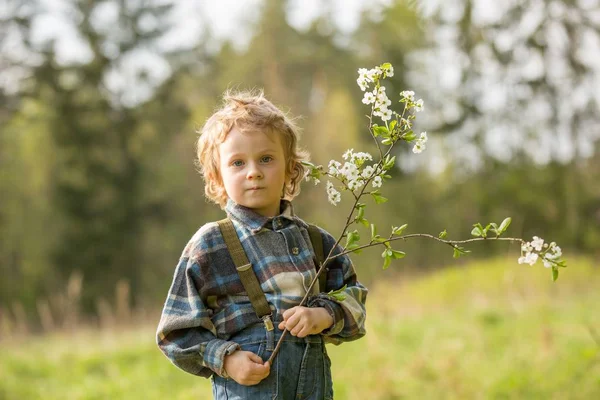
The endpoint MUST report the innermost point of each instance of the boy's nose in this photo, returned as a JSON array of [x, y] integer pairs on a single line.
[[254, 173]]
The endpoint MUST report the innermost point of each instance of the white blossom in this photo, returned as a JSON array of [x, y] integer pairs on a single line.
[[386, 115], [377, 182], [362, 156], [529, 258], [334, 167], [418, 148], [420, 143], [362, 83], [419, 105], [538, 249], [390, 71], [350, 171], [537, 243], [368, 98], [355, 184], [553, 253], [408, 94], [334, 196], [367, 171], [557, 251], [348, 154], [373, 73]]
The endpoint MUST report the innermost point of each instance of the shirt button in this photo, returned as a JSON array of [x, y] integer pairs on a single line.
[[295, 251]]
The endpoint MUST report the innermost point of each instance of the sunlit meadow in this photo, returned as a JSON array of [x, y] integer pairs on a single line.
[[484, 330]]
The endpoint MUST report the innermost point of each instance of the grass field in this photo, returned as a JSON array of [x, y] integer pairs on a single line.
[[487, 330]]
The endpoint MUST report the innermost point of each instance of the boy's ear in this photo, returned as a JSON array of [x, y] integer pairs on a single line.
[[291, 172]]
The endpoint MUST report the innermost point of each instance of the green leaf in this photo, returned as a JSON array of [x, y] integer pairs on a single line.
[[476, 232], [354, 248], [364, 222], [361, 213], [504, 225], [393, 125], [387, 141], [494, 228], [378, 198], [486, 229], [339, 294], [308, 164], [381, 131], [459, 251], [373, 231], [397, 254], [409, 136], [387, 259], [386, 66], [352, 238], [398, 230], [389, 162], [443, 234], [554, 274], [456, 253]]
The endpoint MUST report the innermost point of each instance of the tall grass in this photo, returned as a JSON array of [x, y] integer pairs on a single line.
[[486, 330]]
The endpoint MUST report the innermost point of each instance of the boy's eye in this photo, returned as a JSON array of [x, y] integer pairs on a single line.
[[237, 163], [266, 159]]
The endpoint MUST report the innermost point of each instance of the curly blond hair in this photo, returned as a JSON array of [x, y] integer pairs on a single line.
[[248, 111]]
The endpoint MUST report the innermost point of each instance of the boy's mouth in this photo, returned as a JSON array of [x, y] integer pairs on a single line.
[[256, 188]]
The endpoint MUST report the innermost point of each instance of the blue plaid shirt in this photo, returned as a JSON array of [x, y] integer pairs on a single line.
[[207, 304]]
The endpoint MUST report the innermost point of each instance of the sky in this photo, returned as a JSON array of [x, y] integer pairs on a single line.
[[225, 18]]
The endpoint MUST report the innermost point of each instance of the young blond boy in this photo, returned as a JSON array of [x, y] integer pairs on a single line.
[[251, 164]]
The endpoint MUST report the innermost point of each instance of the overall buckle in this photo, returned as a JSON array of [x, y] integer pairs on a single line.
[[268, 322]]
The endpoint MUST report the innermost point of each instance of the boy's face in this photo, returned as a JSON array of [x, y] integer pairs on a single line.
[[252, 167]]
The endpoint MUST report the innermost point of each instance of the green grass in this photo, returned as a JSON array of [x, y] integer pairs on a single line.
[[488, 330]]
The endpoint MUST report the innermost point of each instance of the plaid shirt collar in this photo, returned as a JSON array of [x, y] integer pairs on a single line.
[[256, 222]]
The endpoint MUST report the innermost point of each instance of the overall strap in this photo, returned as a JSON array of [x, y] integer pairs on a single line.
[[317, 244], [246, 273]]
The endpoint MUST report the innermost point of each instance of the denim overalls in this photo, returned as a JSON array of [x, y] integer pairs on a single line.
[[301, 370]]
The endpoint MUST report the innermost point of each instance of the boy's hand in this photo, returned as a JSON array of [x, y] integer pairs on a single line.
[[304, 321], [246, 368]]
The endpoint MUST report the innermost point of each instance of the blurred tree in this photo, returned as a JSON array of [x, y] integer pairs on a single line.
[[103, 139], [518, 87]]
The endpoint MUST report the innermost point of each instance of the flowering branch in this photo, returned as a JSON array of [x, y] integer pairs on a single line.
[[358, 171]]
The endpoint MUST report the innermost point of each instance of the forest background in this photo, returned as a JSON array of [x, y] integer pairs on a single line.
[[98, 188]]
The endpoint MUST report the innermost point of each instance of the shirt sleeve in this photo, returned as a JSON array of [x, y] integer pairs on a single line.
[[185, 333], [349, 314]]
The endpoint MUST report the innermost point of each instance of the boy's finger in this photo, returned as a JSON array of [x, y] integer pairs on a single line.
[[305, 331], [297, 329], [258, 372], [291, 324], [255, 358], [288, 313]]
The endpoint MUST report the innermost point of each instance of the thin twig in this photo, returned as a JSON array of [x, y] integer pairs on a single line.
[[451, 243]]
